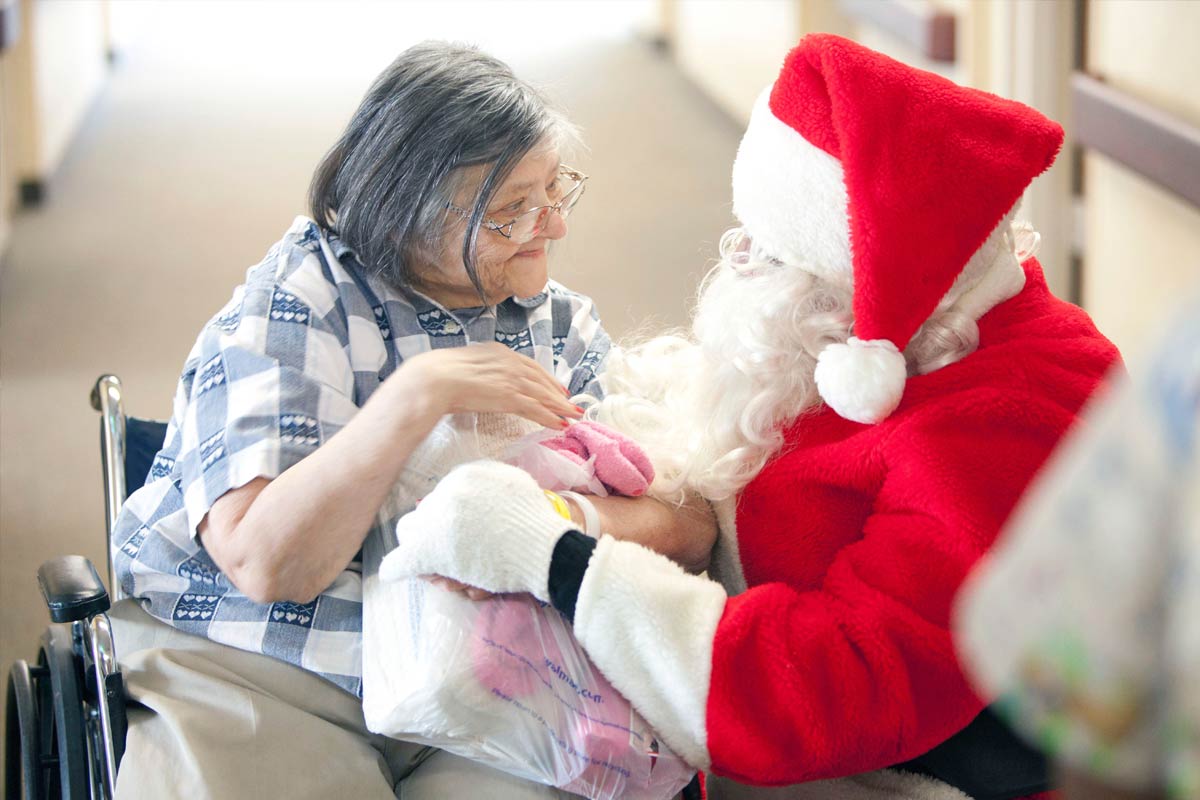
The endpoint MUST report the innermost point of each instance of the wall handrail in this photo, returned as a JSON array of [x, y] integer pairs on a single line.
[[1152, 142], [10, 23], [918, 23]]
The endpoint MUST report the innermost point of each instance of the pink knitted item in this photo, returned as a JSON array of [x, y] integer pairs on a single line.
[[504, 622], [517, 650], [620, 464]]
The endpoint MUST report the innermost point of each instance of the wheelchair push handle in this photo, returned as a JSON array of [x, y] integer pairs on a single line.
[[72, 589]]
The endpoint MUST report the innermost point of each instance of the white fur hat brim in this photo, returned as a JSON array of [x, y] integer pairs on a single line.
[[790, 197]]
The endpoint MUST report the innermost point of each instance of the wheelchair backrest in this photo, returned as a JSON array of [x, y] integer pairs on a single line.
[[143, 439]]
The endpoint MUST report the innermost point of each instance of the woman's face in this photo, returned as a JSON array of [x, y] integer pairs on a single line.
[[506, 268]]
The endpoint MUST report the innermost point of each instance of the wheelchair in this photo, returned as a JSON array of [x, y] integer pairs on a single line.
[[65, 723]]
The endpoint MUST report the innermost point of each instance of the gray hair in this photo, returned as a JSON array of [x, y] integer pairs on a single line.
[[386, 185]]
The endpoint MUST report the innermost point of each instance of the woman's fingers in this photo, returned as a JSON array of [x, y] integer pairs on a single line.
[[555, 394], [444, 583], [552, 401], [459, 587], [534, 411], [545, 378], [491, 377]]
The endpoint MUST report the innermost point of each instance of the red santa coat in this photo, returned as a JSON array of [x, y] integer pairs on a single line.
[[837, 659]]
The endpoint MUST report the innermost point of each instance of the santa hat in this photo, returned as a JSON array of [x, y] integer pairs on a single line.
[[869, 172]]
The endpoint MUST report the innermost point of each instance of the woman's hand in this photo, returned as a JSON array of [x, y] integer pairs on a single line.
[[488, 377], [460, 588]]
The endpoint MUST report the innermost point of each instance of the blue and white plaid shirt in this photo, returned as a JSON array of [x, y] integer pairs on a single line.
[[283, 367]]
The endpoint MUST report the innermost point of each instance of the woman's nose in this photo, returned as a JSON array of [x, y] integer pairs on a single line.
[[556, 226]]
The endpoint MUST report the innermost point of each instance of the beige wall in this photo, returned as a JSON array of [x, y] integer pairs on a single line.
[[733, 50], [8, 187], [48, 80], [1141, 243], [17, 122], [68, 38]]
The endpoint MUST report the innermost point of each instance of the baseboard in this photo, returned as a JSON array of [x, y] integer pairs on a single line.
[[32, 193]]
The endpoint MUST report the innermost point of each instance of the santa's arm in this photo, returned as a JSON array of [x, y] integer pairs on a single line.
[[773, 686], [777, 685]]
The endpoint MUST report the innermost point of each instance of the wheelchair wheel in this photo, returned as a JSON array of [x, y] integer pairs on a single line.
[[46, 753], [22, 751], [34, 766], [54, 740], [61, 716]]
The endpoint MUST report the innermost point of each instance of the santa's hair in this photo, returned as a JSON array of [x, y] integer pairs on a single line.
[[710, 406]]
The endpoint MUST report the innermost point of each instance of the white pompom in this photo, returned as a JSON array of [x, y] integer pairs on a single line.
[[862, 381]]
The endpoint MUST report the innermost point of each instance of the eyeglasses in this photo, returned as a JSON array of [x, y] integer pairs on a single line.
[[568, 187]]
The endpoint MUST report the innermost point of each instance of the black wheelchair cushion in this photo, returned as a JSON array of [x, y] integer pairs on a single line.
[[986, 761], [143, 439], [72, 588]]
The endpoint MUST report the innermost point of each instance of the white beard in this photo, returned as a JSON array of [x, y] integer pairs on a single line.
[[710, 408]]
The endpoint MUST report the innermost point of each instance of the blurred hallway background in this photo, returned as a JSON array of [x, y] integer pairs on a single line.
[[136, 190]]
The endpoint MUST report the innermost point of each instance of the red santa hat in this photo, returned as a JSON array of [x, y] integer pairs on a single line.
[[868, 172]]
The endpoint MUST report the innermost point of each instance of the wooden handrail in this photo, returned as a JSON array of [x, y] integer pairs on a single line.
[[1155, 144], [917, 22], [10, 23]]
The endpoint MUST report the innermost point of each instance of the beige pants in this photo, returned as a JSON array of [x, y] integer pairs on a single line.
[[210, 721]]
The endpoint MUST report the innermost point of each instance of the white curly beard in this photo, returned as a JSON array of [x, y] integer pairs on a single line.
[[710, 407]]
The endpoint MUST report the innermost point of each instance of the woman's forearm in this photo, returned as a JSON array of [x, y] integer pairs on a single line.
[[685, 534], [289, 538]]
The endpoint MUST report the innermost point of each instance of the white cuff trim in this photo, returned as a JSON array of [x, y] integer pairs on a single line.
[[649, 627]]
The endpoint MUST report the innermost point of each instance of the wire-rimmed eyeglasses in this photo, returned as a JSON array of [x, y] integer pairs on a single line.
[[568, 187]]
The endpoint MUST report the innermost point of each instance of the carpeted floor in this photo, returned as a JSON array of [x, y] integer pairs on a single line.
[[196, 157]]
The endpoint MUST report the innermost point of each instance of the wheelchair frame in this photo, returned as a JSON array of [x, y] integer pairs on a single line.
[[65, 724]]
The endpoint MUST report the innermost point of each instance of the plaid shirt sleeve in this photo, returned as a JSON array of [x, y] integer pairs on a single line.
[[580, 342], [268, 381]]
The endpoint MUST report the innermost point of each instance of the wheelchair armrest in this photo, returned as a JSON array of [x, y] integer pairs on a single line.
[[72, 589]]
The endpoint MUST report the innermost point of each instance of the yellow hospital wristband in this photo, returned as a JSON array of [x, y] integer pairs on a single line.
[[559, 504]]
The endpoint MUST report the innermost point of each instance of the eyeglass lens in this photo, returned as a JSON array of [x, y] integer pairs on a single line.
[[533, 222]]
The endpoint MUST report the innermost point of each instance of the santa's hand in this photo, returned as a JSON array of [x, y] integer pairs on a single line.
[[485, 524]]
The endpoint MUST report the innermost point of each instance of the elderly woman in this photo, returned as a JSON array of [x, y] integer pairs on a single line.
[[418, 289]]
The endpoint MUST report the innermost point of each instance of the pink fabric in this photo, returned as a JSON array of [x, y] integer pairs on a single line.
[[620, 464], [516, 651]]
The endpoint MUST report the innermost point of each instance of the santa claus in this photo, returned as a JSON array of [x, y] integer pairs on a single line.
[[875, 372]]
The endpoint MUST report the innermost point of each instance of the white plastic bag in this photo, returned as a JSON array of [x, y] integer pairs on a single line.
[[550, 468], [501, 681]]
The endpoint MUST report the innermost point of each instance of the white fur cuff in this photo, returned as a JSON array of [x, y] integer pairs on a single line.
[[649, 627]]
